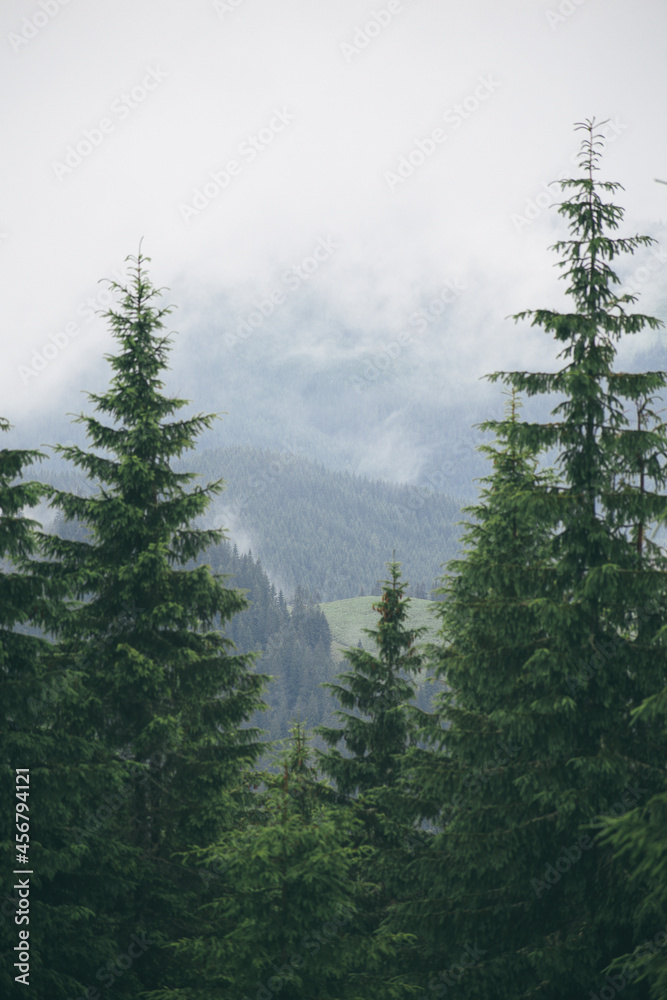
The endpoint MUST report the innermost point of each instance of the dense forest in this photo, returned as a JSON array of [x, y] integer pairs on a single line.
[[314, 527], [505, 838], [320, 529], [292, 641]]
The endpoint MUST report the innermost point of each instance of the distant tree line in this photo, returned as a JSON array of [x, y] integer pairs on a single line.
[[332, 532]]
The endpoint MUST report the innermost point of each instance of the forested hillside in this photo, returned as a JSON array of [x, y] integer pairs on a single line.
[[293, 644], [332, 532], [298, 644]]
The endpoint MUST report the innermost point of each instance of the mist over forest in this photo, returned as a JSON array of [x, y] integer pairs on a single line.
[[333, 500]]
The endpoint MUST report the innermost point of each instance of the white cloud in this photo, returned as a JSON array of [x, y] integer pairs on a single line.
[[222, 73]]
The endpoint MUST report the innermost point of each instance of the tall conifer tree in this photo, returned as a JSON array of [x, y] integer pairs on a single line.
[[21, 680], [379, 724], [550, 639], [57, 787], [375, 693], [163, 696]]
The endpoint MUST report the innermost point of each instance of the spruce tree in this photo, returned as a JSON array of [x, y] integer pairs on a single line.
[[20, 591], [281, 894], [374, 695], [163, 696], [21, 653], [379, 725], [57, 787], [549, 639], [460, 779]]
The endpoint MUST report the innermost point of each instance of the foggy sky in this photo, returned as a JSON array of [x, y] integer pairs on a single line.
[[377, 157]]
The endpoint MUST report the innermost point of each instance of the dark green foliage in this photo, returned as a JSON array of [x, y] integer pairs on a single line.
[[25, 739], [375, 692], [20, 592], [163, 699], [464, 885], [284, 914], [37, 689], [299, 659], [379, 723], [294, 649], [508, 843], [293, 645], [550, 637], [639, 837], [266, 615]]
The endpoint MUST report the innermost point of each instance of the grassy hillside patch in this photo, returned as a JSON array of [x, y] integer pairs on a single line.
[[348, 618]]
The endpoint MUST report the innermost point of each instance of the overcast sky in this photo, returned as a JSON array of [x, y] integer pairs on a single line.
[[387, 154]]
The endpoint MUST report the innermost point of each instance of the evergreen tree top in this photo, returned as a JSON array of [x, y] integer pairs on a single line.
[[152, 619], [587, 255], [134, 399], [140, 490], [376, 692], [606, 426]]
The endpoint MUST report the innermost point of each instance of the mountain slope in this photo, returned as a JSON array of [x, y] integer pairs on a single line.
[[332, 532]]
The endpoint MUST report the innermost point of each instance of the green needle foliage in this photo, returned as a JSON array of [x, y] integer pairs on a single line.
[[550, 638], [379, 724], [21, 666], [284, 920], [26, 740], [639, 837], [461, 881], [163, 698], [65, 937], [376, 691]]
